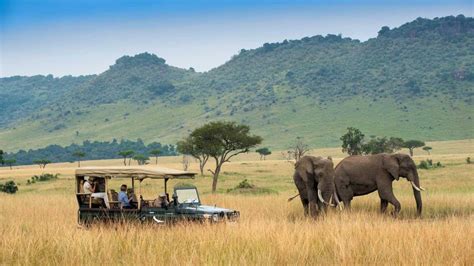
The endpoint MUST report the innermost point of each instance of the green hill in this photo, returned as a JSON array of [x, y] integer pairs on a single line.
[[414, 81]]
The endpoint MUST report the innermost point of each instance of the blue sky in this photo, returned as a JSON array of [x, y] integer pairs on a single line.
[[79, 37]]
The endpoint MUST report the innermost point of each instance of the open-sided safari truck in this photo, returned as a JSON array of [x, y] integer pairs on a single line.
[[184, 204]]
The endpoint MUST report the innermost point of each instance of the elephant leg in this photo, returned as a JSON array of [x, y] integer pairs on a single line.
[[321, 206], [383, 205], [386, 193], [347, 204], [345, 193], [396, 204], [305, 205], [312, 197], [301, 186]]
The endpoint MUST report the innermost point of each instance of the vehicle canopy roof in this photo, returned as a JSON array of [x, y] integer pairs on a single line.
[[136, 172]]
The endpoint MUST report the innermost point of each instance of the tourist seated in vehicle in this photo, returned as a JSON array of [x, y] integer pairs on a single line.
[[125, 199], [91, 186], [161, 201], [132, 196]]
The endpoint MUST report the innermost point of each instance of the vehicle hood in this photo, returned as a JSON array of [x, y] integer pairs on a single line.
[[207, 209]]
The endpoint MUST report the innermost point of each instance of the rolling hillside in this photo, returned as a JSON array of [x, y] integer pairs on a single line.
[[414, 81]]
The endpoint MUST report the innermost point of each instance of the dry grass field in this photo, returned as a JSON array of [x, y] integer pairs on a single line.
[[38, 224]]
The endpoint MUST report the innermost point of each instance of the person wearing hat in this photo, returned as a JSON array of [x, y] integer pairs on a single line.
[[90, 187], [161, 201]]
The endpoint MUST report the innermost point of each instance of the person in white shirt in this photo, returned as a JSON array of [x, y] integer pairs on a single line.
[[90, 187]]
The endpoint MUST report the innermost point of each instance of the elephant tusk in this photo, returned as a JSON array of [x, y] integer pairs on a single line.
[[416, 188], [336, 198], [338, 201], [320, 196], [330, 202], [341, 206]]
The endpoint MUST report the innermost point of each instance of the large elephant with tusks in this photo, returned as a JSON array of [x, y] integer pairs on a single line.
[[361, 175], [314, 179]]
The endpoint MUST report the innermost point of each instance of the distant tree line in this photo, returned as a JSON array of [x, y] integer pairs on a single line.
[[88, 150], [354, 143]]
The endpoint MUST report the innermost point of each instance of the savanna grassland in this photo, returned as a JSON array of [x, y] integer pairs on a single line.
[[38, 224]]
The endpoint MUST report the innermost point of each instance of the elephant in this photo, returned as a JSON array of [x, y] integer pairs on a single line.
[[314, 179], [360, 175]]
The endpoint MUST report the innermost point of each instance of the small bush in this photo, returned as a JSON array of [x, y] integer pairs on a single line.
[[468, 160], [245, 184], [423, 165], [245, 187], [9, 187], [42, 178], [428, 164]]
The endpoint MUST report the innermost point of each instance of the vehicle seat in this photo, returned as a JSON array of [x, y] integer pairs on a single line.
[[85, 199], [81, 186], [113, 199]]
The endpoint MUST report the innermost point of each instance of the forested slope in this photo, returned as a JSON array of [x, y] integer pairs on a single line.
[[414, 81]]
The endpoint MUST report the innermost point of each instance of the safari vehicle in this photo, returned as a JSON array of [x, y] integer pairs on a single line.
[[185, 203]]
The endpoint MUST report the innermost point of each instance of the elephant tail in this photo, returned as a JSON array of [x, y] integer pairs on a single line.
[[292, 198]]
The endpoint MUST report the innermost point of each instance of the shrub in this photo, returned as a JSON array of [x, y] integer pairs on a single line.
[[247, 188], [468, 160], [42, 178], [423, 165], [245, 184], [9, 187], [428, 164]]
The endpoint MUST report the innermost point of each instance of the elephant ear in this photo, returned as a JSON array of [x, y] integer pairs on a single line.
[[392, 165], [305, 164]]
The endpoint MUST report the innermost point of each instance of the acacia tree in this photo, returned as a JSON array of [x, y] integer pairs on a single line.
[[79, 155], [194, 148], [412, 144], [352, 141], [224, 140], [185, 162], [126, 154], [1, 157], [378, 145], [263, 152], [42, 163], [296, 151], [141, 159], [427, 149], [10, 162], [155, 153]]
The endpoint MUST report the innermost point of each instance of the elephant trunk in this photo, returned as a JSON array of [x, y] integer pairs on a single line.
[[321, 198], [417, 193]]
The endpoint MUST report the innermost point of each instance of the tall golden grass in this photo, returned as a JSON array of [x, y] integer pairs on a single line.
[[38, 224]]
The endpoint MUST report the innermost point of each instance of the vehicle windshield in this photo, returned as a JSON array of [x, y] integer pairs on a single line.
[[187, 195]]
